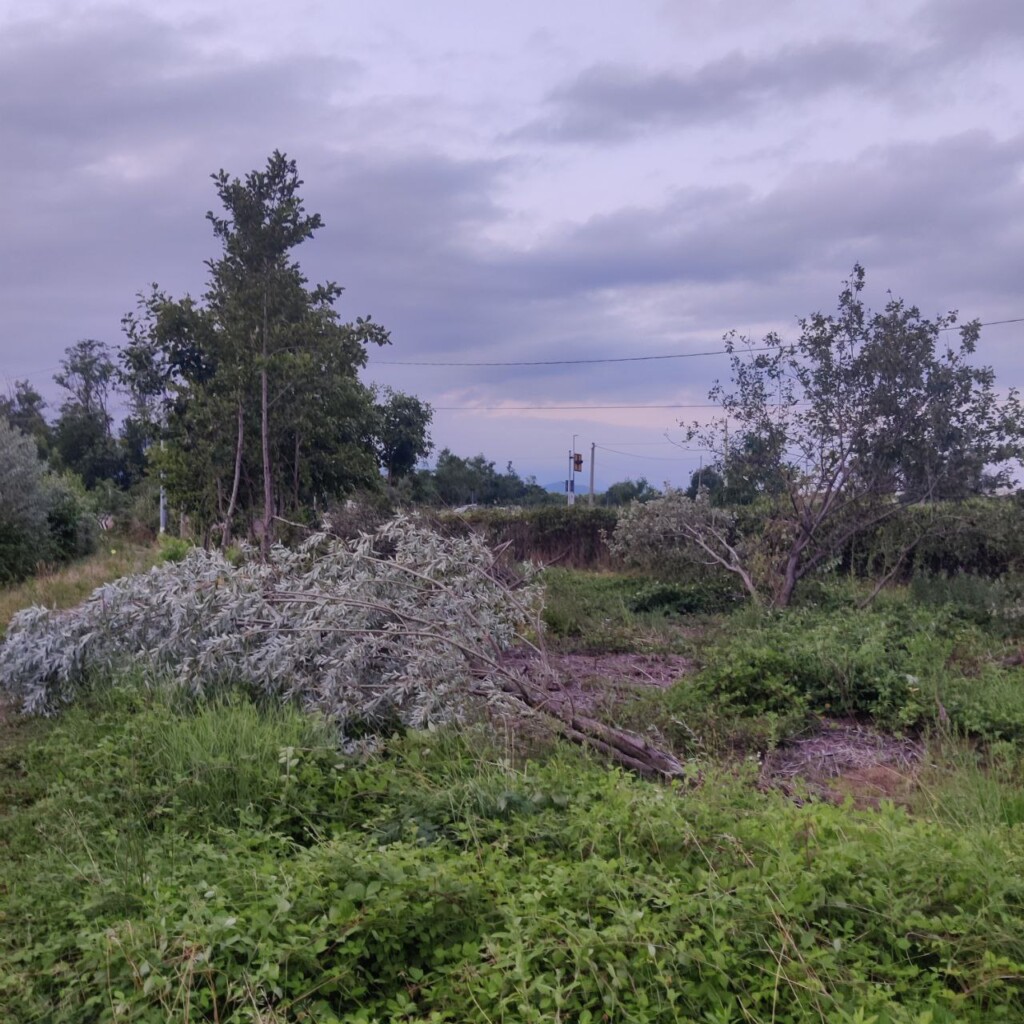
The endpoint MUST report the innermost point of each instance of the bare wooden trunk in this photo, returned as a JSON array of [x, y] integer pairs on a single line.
[[268, 486], [236, 482]]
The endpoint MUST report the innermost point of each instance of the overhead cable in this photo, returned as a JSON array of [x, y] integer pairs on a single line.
[[616, 359]]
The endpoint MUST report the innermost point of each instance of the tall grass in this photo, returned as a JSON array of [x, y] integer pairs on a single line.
[[970, 788], [69, 585]]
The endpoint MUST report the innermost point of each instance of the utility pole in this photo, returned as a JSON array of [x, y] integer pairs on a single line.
[[593, 448], [570, 484], [725, 457]]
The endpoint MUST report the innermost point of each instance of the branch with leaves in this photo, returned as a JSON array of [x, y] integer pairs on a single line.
[[403, 624]]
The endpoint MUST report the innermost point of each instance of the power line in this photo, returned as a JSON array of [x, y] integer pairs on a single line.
[[620, 359], [556, 408], [560, 362], [654, 458], [563, 362], [986, 323]]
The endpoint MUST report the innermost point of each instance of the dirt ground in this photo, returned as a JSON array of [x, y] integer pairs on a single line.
[[592, 683], [841, 760]]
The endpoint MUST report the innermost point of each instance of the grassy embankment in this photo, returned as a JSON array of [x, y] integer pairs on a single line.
[[70, 584], [171, 861]]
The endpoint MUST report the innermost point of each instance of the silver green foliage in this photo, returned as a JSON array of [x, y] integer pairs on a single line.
[[400, 623], [673, 534]]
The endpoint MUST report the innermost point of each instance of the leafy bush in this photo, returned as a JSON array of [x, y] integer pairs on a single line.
[[43, 517], [24, 505], [978, 599], [174, 549], [437, 884], [396, 624], [901, 666], [680, 538]]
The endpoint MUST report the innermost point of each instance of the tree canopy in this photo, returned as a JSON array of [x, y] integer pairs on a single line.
[[253, 388], [865, 413]]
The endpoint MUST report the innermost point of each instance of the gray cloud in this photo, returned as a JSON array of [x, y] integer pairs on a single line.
[[612, 103], [116, 123], [609, 103], [965, 28]]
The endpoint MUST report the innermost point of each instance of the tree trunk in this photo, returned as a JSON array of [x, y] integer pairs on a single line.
[[268, 487], [236, 482], [789, 580], [627, 748]]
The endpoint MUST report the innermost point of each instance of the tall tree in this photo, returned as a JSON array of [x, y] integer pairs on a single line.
[[256, 384], [83, 438], [865, 413]]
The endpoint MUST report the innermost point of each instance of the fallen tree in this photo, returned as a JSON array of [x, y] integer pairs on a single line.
[[399, 626]]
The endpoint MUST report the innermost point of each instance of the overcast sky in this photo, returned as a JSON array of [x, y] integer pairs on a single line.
[[529, 181]]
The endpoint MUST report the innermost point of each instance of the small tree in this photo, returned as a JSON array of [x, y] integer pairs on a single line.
[[403, 422], [866, 413], [254, 388], [82, 435]]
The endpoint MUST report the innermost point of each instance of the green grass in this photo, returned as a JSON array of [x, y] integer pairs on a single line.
[[597, 612], [69, 585], [165, 858], [971, 787], [167, 861]]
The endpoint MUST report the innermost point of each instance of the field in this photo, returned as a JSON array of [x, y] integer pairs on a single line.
[[843, 845]]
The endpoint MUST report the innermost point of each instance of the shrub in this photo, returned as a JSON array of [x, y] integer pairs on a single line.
[[174, 549], [666, 537], [24, 505], [74, 529], [901, 666], [43, 517]]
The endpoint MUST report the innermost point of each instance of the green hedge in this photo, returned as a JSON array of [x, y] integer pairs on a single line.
[[983, 536], [573, 536]]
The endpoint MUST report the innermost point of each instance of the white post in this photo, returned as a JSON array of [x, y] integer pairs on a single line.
[[163, 497]]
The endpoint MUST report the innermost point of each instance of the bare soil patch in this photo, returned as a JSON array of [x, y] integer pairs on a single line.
[[845, 760], [592, 683]]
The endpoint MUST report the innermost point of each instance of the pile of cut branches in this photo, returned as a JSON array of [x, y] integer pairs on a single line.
[[402, 625]]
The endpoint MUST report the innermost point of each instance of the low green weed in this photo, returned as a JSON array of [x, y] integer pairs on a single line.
[[902, 666], [617, 612], [438, 883]]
